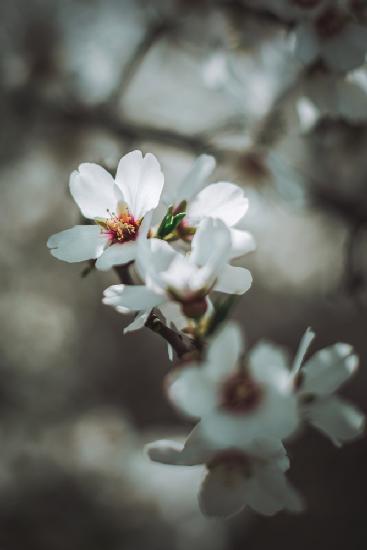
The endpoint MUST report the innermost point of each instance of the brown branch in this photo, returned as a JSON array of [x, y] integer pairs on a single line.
[[150, 38]]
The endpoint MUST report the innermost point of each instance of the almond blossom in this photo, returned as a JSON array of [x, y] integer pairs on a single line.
[[222, 200], [317, 380], [334, 36], [170, 276], [236, 401], [117, 206], [235, 478]]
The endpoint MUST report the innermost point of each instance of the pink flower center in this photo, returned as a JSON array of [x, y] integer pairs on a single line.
[[331, 23], [240, 394], [121, 228]]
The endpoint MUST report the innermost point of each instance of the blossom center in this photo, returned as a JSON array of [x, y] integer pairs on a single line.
[[120, 228], [331, 23], [240, 394]]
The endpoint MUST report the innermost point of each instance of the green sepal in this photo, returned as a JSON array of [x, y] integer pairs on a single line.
[[171, 221]]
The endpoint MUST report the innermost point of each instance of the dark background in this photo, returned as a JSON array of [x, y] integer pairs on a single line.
[[89, 81]]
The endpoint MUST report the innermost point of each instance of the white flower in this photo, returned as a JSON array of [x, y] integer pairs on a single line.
[[117, 206], [170, 276], [335, 96], [236, 403], [335, 37], [317, 381], [234, 478], [222, 200]]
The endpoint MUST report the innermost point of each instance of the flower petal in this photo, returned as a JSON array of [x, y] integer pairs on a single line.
[[233, 280], [336, 418], [193, 452], [306, 45], [165, 451], [191, 391], [141, 182], [132, 297], [269, 363], [222, 200], [154, 257], [328, 369], [223, 491], [138, 322], [347, 50], [303, 347], [272, 492], [117, 254], [92, 189], [211, 243], [224, 351], [242, 242], [80, 243]]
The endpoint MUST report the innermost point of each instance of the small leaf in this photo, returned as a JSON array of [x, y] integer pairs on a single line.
[[170, 222]]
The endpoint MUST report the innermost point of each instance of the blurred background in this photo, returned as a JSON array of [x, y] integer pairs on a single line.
[[89, 80]]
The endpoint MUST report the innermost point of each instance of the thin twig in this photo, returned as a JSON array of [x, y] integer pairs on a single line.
[[150, 38]]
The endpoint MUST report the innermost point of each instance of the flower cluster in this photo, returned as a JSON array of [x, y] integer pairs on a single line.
[[331, 31], [246, 405]]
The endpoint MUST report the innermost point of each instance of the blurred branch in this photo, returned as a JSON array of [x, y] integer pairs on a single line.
[[354, 280], [239, 8], [101, 116], [154, 33]]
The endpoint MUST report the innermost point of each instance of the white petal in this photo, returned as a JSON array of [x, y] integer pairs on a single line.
[[195, 451], [328, 369], [192, 392], [306, 45], [258, 498], [273, 492], [154, 257], [336, 418], [164, 451], [222, 200], [242, 242], [138, 322], [303, 347], [211, 243], [92, 189], [269, 363], [222, 492], [173, 315], [195, 179], [224, 351], [117, 254], [348, 50], [272, 450], [141, 182], [132, 297], [233, 280], [80, 243]]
